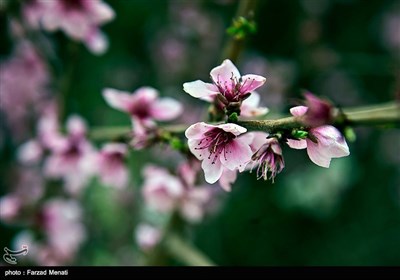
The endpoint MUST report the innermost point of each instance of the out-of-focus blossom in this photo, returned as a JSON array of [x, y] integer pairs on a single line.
[[23, 82], [30, 152], [161, 190], [60, 222], [72, 157], [232, 87], [165, 192], [269, 159], [219, 147], [227, 178], [143, 106], [324, 142], [112, 170], [147, 236], [79, 19], [28, 188], [10, 206], [390, 32]]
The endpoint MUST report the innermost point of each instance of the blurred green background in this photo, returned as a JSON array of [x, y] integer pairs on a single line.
[[345, 50]]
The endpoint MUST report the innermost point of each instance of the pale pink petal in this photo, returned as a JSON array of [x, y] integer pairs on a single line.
[[145, 95], [96, 42], [192, 211], [232, 128], [166, 109], [102, 12], [75, 25], [147, 236], [118, 177], [197, 130], [76, 126], [117, 99], [30, 152], [200, 89], [236, 155], [298, 111], [246, 138], [332, 140], [212, 171], [227, 179], [250, 107], [259, 139], [297, 144], [194, 145], [251, 82], [225, 73], [317, 154]]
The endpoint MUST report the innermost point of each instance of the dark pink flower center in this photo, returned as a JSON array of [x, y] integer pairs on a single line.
[[215, 140], [71, 5], [234, 90], [140, 110], [269, 162]]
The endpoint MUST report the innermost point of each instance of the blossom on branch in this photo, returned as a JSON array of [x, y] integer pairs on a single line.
[[219, 147], [229, 86], [143, 106], [268, 157], [323, 143]]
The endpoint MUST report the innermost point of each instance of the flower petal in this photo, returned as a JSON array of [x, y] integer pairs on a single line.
[[225, 73], [317, 155], [251, 82], [197, 130], [331, 138], [298, 111], [166, 109], [212, 171], [297, 144], [232, 128], [200, 154], [96, 42], [117, 99], [236, 155], [250, 107], [227, 179], [76, 126], [200, 89]]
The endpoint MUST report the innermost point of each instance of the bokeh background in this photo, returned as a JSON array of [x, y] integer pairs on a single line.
[[345, 50]]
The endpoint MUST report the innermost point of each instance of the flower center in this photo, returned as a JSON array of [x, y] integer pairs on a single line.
[[215, 141], [73, 4], [234, 90], [140, 110]]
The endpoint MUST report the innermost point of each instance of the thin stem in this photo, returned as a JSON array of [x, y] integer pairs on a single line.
[[380, 114], [235, 46], [185, 252]]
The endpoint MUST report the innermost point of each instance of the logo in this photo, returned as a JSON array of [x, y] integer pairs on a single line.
[[9, 256]]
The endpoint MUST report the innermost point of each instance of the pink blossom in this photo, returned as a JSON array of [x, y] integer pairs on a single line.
[[143, 106], [324, 142], [10, 206], [72, 157], [112, 169], [161, 190], [79, 19], [147, 236], [23, 79], [320, 112], [165, 192], [62, 224], [219, 147], [269, 158], [227, 178], [228, 82]]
